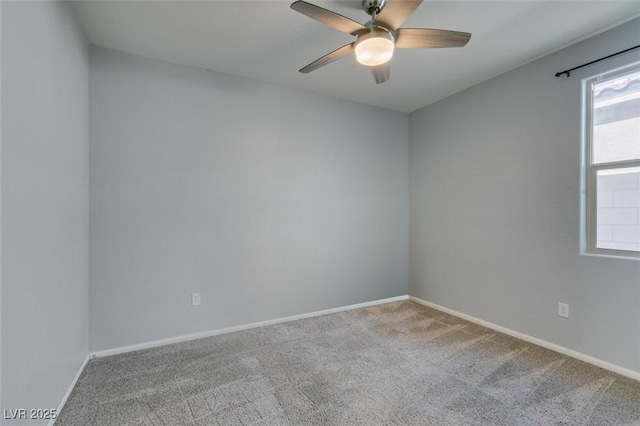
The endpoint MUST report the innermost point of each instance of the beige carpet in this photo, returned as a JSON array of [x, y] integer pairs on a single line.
[[399, 363]]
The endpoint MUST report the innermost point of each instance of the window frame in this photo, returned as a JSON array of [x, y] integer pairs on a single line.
[[590, 170]]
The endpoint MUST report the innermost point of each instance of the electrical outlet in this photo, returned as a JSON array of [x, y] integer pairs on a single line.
[[195, 299], [563, 310]]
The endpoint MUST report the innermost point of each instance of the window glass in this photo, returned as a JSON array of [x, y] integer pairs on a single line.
[[618, 207], [616, 119], [613, 172]]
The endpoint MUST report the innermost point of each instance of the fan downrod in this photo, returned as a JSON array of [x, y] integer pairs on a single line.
[[373, 6]]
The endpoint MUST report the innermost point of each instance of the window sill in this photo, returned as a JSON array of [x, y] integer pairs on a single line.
[[634, 257]]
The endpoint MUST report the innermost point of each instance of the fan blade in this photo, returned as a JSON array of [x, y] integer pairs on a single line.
[[395, 12], [327, 17], [328, 58], [415, 38], [381, 73]]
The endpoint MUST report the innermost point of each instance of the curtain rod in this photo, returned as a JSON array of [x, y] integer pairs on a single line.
[[568, 72]]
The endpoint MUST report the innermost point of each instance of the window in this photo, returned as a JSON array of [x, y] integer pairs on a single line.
[[613, 163]]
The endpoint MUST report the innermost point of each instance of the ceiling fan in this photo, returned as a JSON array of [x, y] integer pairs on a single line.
[[376, 40]]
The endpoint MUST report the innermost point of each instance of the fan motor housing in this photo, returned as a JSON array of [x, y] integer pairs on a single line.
[[371, 6]]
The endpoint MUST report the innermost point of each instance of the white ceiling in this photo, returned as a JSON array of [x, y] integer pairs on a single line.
[[267, 41]]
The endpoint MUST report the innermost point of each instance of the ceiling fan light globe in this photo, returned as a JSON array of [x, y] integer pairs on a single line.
[[374, 48]]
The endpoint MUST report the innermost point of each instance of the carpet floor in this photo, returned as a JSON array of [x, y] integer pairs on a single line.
[[398, 363]]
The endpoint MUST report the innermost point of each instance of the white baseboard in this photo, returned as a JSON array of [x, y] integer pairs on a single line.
[[557, 348], [201, 335], [68, 393]]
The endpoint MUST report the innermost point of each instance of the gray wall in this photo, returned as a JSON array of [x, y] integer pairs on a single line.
[[1, 405], [268, 201], [44, 203], [495, 208]]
